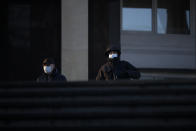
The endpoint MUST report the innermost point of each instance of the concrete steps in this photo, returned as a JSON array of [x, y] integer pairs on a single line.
[[123, 105]]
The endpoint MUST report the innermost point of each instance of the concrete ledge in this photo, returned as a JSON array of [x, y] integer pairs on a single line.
[[100, 83]]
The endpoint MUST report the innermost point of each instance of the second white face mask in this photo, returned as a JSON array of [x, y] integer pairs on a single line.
[[47, 69], [112, 56]]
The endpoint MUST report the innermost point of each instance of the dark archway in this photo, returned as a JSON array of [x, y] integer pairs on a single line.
[[31, 30]]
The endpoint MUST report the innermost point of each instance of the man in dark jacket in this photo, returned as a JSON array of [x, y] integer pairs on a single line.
[[115, 69], [50, 72]]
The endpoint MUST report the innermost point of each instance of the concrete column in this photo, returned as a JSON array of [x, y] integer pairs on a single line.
[[74, 46]]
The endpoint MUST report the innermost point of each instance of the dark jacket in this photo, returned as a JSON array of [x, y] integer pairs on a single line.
[[55, 76], [117, 71]]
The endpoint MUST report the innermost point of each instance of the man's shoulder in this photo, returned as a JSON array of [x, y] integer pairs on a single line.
[[127, 64], [61, 76], [124, 62]]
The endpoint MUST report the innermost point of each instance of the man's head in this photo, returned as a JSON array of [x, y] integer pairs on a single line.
[[113, 53], [48, 65]]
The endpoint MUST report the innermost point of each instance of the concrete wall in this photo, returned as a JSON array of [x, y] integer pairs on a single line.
[[75, 39], [146, 50]]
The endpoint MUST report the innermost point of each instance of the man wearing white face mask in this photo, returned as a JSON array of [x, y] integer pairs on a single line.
[[50, 72], [115, 69]]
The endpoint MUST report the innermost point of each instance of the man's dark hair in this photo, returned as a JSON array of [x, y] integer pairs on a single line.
[[48, 61], [113, 48]]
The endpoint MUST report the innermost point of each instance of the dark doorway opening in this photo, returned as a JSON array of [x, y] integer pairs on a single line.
[[30, 31], [104, 31]]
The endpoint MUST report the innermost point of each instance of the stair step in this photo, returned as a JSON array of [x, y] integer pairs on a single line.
[[103, 124], [100, 91], [97, 101], [100, 112]]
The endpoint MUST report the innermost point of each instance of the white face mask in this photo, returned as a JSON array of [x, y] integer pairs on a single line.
[[47, 69], [112, 56]]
